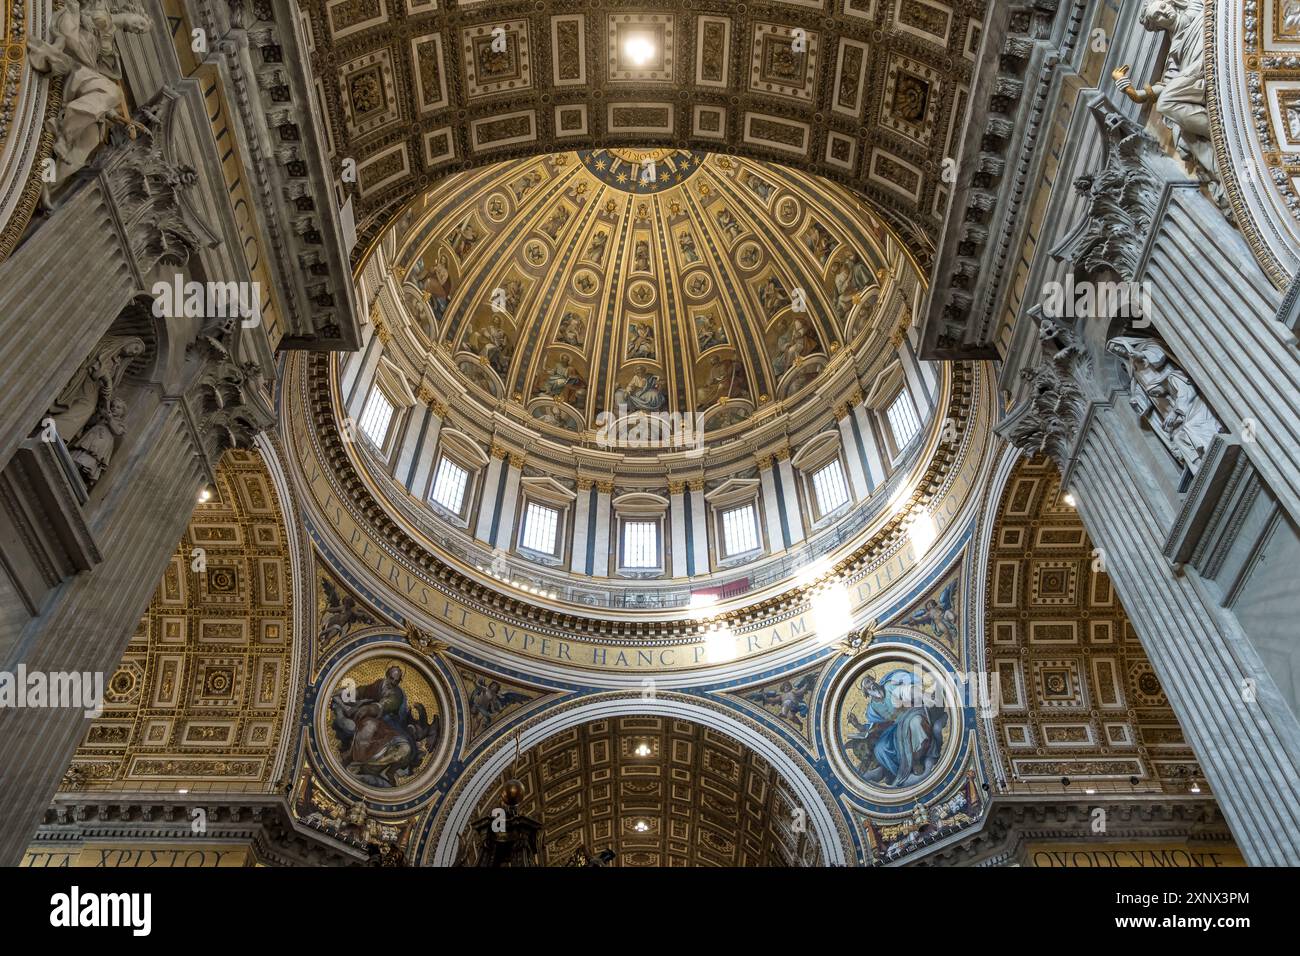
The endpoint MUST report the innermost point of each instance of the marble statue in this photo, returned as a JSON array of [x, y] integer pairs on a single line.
[[81, 50], [93, 449], [92, 389], [1164, 394], [1179, 94]]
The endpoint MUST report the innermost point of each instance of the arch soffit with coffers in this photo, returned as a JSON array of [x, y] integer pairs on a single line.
[[871, 93], [1253, 90], [439, 843]]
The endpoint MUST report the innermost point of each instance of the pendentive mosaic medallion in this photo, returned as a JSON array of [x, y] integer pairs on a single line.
[[381, 722], [895, 724]]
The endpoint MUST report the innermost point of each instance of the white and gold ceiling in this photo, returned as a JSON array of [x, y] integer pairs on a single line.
[[866, 92], [1079, 698], [584, 287], [659, 792], [200, 698]]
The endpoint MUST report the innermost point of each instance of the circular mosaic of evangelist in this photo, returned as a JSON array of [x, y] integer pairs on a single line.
[[381, 721]]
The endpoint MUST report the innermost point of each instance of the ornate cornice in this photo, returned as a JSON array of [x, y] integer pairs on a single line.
[[987, 213], [272, 95], [265, 823], [1013, 822]]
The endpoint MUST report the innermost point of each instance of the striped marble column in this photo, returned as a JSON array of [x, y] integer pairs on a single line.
[[59, 293], [1199, 652], [698, 529], [490, 498], [677, 522], [873, 460], [509, 502], [420, 475], [778, 536], [854, 454], [89, 623], [602, 553], [583, 507], [789, 496]]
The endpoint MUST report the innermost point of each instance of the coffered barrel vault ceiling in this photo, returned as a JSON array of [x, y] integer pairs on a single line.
[[580, 288], [200, 697], [659, 792], [867, 92], [1078, 697]]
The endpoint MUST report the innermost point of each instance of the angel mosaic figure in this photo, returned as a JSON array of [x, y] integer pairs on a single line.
[[487, 700], [341, 612], [938, 616], [790, 699]]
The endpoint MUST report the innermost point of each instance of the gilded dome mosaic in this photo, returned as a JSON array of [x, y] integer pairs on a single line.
[[584, 289]]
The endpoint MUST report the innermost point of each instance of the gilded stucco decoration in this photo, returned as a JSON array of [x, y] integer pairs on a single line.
[[1253, 86], [1078, 697], [588, 288], [659, 792], [867, 92], [201, 697], [30, 101]]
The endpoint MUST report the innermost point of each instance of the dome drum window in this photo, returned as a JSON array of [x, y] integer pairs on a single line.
[[640, 521], [377, 418], [449, 485], [904, 421], [456, 477], [389, 398], [823, 478], [737, 519], [546, 508]]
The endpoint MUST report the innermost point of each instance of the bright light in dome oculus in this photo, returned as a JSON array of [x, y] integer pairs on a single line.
[[639, 49]]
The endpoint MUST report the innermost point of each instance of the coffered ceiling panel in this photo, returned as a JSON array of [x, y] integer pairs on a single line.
[[867, 92], [659, 792], [201, 695], [1079, 699]]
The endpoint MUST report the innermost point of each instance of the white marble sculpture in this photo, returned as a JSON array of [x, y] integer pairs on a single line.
[[92, 388], [1179, 94], [81, 49], [93, 449], [1165, 395]]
